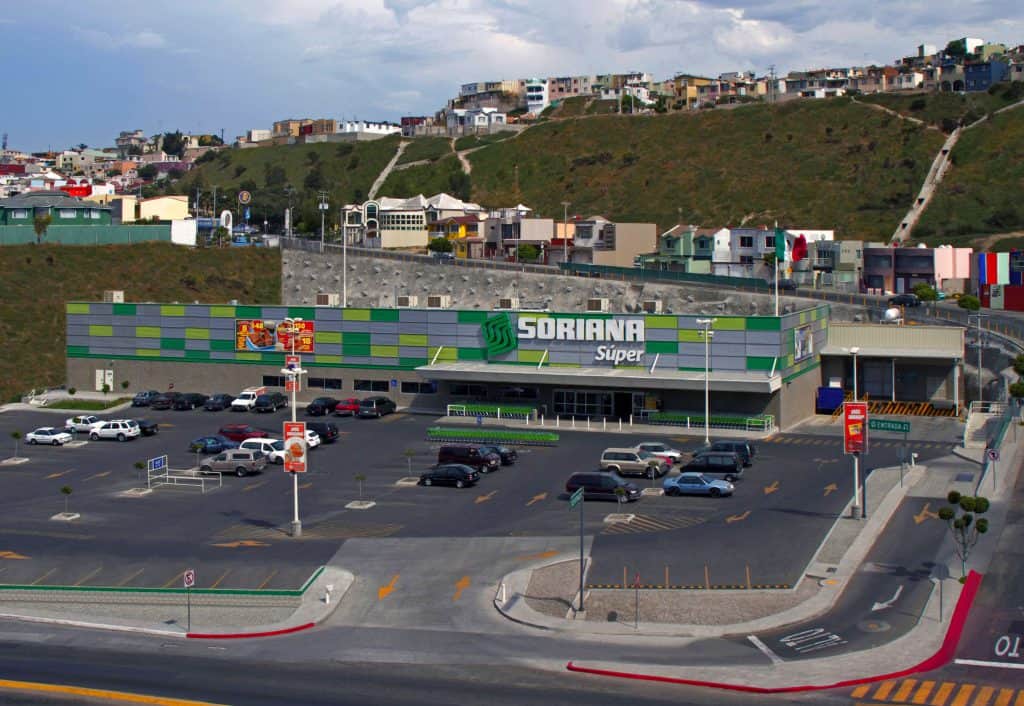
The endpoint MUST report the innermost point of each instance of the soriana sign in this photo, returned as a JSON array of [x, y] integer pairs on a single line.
[[855, 427]]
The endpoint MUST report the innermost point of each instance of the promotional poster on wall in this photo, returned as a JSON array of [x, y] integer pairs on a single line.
[[264, 335]]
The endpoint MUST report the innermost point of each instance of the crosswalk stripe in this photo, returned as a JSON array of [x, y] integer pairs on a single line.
[[984, 694], [1020, 698], [943, 693], [963, 695], [883, 691], [860, 691], [1004, 697], [904, 691], [923, 691]]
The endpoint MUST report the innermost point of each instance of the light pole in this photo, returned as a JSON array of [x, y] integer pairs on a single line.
[[344, 260], [978, 317], [565, 232], [323, 209], [293, 375], [854, 351], [858, 495], [707, 333]]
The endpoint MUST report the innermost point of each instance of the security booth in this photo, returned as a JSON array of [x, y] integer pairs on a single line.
[[594, 365]]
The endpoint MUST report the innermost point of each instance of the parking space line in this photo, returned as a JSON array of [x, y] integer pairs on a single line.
[[267, 580], [222, 577], [177, 577], [87, 577], [132, 577], [58, 474], [303, 486], [43, 577], [260, 484], [104, 474]]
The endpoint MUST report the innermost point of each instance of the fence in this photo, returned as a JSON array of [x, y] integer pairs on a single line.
[[762, 423], [87, 235], [668, 276], [490, 410]]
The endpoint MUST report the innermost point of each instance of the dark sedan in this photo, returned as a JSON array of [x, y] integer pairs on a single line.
[[148, 427], [328, 431], [142, 399], [165, 400], [190, 400], [508, 456], [321, 406], [218, 402], [450, 474], [212, 444], [905, 299]]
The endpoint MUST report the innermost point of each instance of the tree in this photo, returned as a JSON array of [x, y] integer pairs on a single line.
[[1017, 390], [40, 225], [359, 479], [220, 232], [66, 492], [528, 252], [440, 245], [1018, 365], [409, 453], [173, 143], [925, 292], [965, 528], [106, 388], [147, 172], [124, 385], [969, 302], [140, 466]]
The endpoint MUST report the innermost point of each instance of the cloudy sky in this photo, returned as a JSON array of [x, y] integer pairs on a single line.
[[82, 70]]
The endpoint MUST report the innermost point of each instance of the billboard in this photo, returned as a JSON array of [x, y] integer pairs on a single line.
[[803, 343], [855, 427], [264, 335]]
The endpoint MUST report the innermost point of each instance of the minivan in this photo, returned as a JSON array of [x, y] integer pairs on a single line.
[[469, 456], [376, 407], [273, 449], [601, 486], [633, 462], [716, 464], [744, 449]]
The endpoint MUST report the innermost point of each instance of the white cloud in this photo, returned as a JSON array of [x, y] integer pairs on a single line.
[[142, 39]]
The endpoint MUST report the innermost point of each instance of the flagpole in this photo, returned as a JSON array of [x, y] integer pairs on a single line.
[[776, 269]]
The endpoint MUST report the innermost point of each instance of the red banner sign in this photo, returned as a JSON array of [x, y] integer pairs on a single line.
[[855, 427], [262, 335], [295, 447]]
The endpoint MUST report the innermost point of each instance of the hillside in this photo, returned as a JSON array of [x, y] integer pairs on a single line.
[[834, 163], [947, 110], [38, 280]]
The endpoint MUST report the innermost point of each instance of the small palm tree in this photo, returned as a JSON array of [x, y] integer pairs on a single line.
[[359, 479], [409, 453], [620, 494], [66, 492], [140, 466], [16, 435]]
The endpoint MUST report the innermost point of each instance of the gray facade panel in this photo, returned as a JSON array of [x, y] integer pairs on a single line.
[[121, 331], [412, 316], [688, 349], [107, 350], [194, 321], [559, 357], [147, 310], [78, 330], [172, 354], [219, 323], [661, 334], [729, 337], [468, 329], [420, 328], [222, 355], [73, 340], [719, 349], [96, 320], [767, 351], [276, 313], [197, 345], [198, 310], [355, 326], [442, 317], [446, 341], [764, 337], [385, 339], [360, 360], [412, 352], [691, 361], [101, 309], [328, 349], [729, 364], [328, 313], [378, 327], [665, 361]]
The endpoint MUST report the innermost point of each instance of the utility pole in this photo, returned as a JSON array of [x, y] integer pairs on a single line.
[[708, 334], [323, 210], [197, 203], [771, 83], [978, 317], [565, 232], [214, 213]]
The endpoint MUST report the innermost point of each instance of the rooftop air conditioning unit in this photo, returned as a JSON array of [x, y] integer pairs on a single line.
[[508, 303], [113, 296], [408, 300], [328, 299], [599, 304], [439, 301], [651, 306]]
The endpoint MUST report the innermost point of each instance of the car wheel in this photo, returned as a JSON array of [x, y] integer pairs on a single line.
[[32, 441], [205, 469], [730, 477], [672, 491], [94, 436], [714, 492], [58, 443], [427, 481], [240, 471], [459, 484], [122, 437], [279, 460]]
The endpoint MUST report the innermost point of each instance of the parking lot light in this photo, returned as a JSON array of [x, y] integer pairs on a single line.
[[294, 376], [707, 333]]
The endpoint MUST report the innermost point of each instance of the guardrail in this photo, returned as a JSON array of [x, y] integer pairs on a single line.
[[184, 477], [476, 435], [490, 410], [655, 275], [762, 423]]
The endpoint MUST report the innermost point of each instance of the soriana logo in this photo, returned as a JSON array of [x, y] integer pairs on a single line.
[[855, 427]]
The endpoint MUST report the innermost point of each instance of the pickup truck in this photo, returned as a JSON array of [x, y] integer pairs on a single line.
[[246, 399]]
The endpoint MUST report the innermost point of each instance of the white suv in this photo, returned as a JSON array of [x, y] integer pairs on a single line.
[[273, 449], [120, 429]]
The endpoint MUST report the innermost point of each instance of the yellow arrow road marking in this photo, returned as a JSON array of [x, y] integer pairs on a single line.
[[243, 543], [485, 498], [925, 514], [104, 474], [543, 555], [7, 554], [385, 591], [537, 498], [461, 586], [769, 489], [830, 488], [737, 518], [254, 486]]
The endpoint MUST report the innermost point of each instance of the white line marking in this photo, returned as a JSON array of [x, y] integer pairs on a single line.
[[765, 649], [983, 663]]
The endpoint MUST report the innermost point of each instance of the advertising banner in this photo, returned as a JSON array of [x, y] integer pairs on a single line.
[[268, 336], [295, 447], [855, 427]]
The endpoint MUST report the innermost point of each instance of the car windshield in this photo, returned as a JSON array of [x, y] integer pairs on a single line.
[[644, 454], [277, 445]]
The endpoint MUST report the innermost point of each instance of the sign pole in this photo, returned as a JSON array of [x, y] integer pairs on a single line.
[[581, 546], [188, 593], [856, 484], [863, 489]]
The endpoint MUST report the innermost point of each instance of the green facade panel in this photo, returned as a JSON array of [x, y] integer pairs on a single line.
[[307, 313], [472, 353], [412, 339], [148, 352], [756, 362], [389, 315], [357, 349], [124, 310], [98, 330], [147, 332], [355, 314], [357, 337], [172, 344], [528, 356], [730, 323], [661, 347], [472, 317], [447, 354], [222, 312], [216, 345], [77, 351], [327, 359], [764, 323], [246, 355], [76, 308], [197, 334], [380, 351], [327, 336], [197, 355], [412, 362], [658, 321], [172, 310], [249, 312]]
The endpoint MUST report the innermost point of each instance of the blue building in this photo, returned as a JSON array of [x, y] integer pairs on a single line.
[[979, 77]]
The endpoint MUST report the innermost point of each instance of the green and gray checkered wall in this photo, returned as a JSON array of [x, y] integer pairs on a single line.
[[408, 338]]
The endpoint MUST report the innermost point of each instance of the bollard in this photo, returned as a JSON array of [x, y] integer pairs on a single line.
[[327, 593], [573, 421], [604, 424], [631, 420], [588, 423], [620, 423], [542, 420], [558, 420]]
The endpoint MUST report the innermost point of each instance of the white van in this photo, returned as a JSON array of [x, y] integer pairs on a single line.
[[273, 449]]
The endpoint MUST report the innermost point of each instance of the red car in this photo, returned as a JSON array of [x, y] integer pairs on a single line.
[[241, 432], [348, 407]]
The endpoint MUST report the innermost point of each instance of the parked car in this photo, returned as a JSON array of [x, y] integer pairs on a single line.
[[348, 407], [147, 426], [450, 474], [120, 429], [472, 456], [218, 402], [190, 400], [785, 285], [697, 484], [48, 435], [725, 464], [376, 407], [905, 299], [270, 402], [83, 423], [273, 449], [321, 406], [940, 295], [327, 431], [241, 432], [507, 455], [602, 486], [744, 449], [443, 257], [312, 439], [662, 451], [212, 444], [165, 400], [142, 399], [246, 399], [633, 462], [240, 461]]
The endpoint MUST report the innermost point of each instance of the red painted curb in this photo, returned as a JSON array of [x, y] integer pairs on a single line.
[[941, 657], [242, 635]]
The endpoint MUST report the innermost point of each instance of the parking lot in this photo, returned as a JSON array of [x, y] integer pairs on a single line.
[[236, 536]]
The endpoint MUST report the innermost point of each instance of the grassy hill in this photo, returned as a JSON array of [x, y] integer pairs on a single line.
[[38, 280], [947, 110]]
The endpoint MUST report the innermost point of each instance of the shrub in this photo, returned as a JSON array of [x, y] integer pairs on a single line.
[[969, 302]]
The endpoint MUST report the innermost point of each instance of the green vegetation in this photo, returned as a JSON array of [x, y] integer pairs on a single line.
[[981, 192], [716, 420], [969, 302], [471, 141], [444, 175], [479, 435], [440, 245], [39, 279], [471, 409], [88, 405], [947, 110], [964, 525], [572, 107], [426, 148], [600, 107]]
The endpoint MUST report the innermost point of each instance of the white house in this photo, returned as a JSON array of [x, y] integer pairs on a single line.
[[483, 118], [909, 80], [537, 96], [365, 126]]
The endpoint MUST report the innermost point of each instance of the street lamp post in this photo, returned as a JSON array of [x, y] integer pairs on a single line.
[[858, 495], [854, 351], [565, 232], [978, 317], [293, 375], [323, 210], [344, 259], [707, 333]]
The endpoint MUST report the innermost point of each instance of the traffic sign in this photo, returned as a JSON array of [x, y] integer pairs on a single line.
[[244, 197], [189, 578], [576, 498], [889, 425], [295, 447], [157, 464], [993, 454]]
